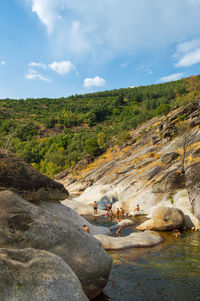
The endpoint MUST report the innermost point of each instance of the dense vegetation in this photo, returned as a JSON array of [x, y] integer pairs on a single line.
[[54, 134]]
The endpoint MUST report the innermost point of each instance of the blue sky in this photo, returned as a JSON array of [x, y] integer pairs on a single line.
[[55, 48]]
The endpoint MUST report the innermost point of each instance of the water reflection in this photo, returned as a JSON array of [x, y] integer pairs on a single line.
[[167, 272]]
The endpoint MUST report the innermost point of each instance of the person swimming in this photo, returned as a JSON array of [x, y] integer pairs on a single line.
[[177, 233], [86, 229]]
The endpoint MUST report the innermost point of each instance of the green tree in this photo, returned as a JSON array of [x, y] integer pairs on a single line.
[[92, 146]]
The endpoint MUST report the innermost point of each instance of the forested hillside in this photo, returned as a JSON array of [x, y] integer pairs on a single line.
[[55, 134]]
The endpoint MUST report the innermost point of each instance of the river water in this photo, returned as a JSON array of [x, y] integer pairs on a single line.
[[167, 272]]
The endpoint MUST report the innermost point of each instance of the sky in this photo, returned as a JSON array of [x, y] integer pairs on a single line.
[[57, 48]]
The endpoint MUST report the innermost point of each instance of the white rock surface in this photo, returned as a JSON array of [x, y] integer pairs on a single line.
[[134, 240], [123, 223], [82, 208], [99, 192]]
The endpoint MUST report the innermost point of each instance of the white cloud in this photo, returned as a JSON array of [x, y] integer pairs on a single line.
[[187, 53], [189, 59], [94, 82], [39, 65], [34, 75], [170, 78], [124, 65], [62, 67], [3, 63], [78, 40], [104, 29], [46, 10]]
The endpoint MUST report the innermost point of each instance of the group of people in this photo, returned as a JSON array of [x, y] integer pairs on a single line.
[[110, 214], [119, 213]]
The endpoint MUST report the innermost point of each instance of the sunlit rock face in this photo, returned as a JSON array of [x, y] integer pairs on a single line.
[[164, 219], [134, 240], [146, 170], [193, 185], [23, 225], [29, 274], [23, 179]]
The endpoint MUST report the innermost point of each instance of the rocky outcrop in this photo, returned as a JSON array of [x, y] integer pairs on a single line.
[[134, 240], [149, 171], [168, 158], [30, 274], [24, 225], [26, 181], [169, 130], [192, 176], [164, 219], [170, 182]]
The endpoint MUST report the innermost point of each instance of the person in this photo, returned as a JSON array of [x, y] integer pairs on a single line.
[[196, 229], [118, 219], [117, 212], [110, 214], [118, 231], [137, 208], [108, 207], [86, 229], [95, 207], [121, 211], [176, 233]]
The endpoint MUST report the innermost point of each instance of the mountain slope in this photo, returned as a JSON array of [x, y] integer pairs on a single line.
[[157, 164]]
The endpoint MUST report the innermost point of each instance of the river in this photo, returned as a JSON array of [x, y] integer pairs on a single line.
[[167, 272]]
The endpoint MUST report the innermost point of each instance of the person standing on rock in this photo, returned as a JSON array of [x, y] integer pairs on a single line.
[[137, 208], [95, 207]]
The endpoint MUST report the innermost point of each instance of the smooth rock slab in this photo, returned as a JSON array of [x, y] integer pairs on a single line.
[[25, 225], [34, 275], [134, 240], [123, 223]]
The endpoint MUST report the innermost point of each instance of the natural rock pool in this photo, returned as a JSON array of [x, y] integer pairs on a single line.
[[167, 272]]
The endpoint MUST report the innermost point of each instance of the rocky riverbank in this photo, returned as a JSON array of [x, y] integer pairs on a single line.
[[158, 166], [44, 252]]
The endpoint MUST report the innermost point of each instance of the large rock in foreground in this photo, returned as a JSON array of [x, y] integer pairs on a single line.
[[23, 179], [134, 240], [25, 225], [30, 274], [164, 219]]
